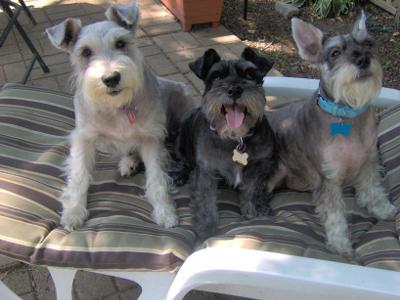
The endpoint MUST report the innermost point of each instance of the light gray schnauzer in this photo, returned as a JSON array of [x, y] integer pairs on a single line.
[[330, 140], [229, 137], [119, 104]]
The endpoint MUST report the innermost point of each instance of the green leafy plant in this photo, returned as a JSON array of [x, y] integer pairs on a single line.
[[327, 8], [297, 3]]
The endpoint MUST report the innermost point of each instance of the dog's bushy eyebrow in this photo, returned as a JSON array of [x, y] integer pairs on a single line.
[[128, 38], [241, 69]]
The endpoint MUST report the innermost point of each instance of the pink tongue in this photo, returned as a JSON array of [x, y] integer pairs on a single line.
[[234, 116]]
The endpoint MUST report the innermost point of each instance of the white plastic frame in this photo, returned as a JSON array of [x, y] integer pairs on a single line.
[[252, 273]]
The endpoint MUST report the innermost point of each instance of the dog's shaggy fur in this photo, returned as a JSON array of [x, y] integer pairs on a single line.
[[312, 158], [120, 105], [232, 110]]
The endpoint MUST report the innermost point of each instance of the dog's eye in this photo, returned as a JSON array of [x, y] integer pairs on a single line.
[[86, 52], [120, 44], [217, 75], [335, 53]]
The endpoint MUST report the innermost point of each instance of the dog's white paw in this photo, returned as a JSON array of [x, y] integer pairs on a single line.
[[165, 216], [342, 246], [384, 211], [127, 165], [73, 217], [248, 210]]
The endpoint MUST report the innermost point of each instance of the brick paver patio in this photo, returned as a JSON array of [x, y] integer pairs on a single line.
[[167, 51]]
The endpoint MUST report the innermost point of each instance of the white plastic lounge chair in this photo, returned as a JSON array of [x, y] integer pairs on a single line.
[[282, 256]]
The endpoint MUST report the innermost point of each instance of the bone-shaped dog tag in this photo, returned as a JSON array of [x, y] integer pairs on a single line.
[[340, 128], [240, 157]]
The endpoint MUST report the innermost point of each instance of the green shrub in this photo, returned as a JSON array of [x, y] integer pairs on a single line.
[[327, 8]]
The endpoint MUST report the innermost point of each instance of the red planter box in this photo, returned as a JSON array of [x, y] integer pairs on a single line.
[[191, 12]]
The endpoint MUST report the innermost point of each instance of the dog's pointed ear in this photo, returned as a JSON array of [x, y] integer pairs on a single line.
[[125, 15], [360, 32], [263, 64], [65, 34], [308, 39], [202, 65]]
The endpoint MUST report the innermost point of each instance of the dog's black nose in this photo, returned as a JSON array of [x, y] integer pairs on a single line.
[[362, 61], [235, 92], [111, 80]]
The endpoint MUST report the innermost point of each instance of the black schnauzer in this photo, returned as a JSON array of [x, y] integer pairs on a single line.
[[228, 136]]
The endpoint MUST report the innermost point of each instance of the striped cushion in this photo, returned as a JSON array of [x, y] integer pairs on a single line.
[[389, 149], [293, 227], [119, 234]]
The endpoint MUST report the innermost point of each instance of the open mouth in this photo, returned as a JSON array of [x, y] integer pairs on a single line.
[[234, 115], [113, 92]]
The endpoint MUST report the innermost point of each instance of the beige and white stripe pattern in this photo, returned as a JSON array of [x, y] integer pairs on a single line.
[[120, 233]]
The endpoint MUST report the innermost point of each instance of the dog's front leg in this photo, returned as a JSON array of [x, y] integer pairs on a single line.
[[331, 209], [371, 194], [79, 166], [204, 203], [247, 200], [154, 156]]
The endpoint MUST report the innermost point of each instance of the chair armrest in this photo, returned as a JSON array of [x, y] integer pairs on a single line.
[[304, 88], [269, 275]]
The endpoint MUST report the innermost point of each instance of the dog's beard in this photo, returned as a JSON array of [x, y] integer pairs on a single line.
[[96, 91], [355, 90], [226, 116]]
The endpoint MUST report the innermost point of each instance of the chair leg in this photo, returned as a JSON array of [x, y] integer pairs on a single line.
[[27, 11], [63, 280]]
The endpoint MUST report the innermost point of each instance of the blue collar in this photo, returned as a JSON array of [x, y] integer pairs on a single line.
[[339, 110]]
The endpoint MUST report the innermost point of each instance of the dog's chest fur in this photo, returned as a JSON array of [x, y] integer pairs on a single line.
[[303, 132], [214, 154]]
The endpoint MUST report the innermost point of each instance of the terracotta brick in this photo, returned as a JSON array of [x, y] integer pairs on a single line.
[[64, 68], [236, 48], [91, 8], [183, 66], [10, 58], [96, 17], [187, 54], [213, 40], [65, 83], [48, 83], [154, 11], [61, 8], [180, 78], [167, 42], [160, 64], [8, 50], [54, 17], [197, 83], [209, 32], [185, 40], [150, 50], [54, 59], [142, 42], [163, 20], [14, 72], [161, 29]]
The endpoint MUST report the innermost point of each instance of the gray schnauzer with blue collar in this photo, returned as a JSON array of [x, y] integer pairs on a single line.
[[330, 140], [229, 136]]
